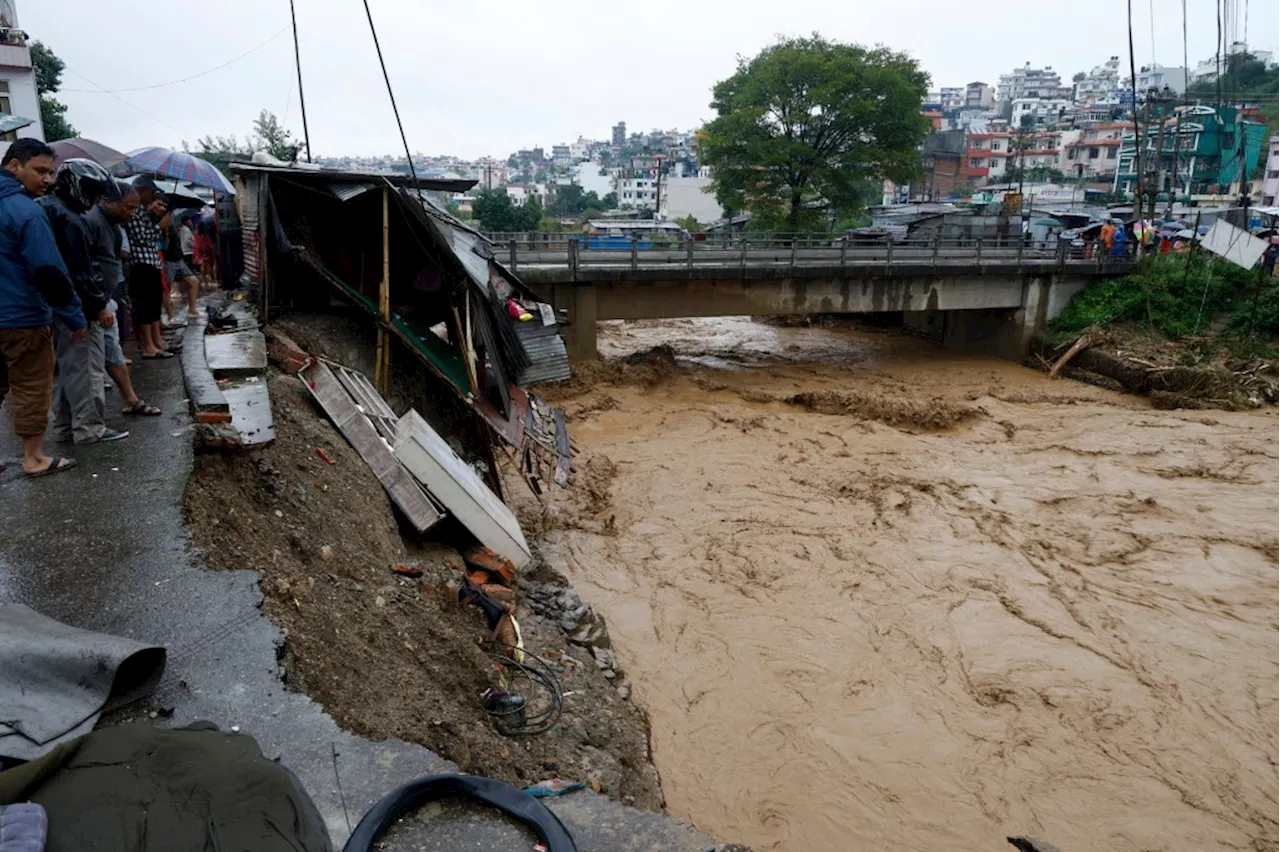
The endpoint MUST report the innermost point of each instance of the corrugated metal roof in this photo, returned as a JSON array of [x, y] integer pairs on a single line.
[[549, 362], [302, 172], [348, 191]]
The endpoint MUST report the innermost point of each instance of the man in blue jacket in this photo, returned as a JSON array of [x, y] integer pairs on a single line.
[[34, 286]]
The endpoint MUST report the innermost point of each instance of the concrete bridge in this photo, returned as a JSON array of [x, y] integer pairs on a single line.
[[976, 295]]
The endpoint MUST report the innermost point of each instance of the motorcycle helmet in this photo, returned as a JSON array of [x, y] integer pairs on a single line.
[[82, 182]]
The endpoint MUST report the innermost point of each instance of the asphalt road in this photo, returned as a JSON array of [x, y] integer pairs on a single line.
[[104, 547]]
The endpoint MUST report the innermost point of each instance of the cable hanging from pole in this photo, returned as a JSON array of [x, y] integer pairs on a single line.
[[403, 139], [302, 101]]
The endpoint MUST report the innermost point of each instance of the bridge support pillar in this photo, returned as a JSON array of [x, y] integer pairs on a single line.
[[580, 336]]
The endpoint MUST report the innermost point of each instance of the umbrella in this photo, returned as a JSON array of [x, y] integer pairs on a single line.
[[67, 149], [1186, 234], [178, 196], [163, 162], [9, 123]]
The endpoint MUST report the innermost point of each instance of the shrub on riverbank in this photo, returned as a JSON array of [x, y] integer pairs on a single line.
[[1177, 296]]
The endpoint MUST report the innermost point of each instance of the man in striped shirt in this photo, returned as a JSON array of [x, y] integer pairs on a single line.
[[146, 289]]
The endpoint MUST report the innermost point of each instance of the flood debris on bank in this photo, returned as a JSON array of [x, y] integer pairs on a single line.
[[1186, 331], [442, 626]]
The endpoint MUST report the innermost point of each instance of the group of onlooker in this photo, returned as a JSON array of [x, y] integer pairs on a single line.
[[76, 246]]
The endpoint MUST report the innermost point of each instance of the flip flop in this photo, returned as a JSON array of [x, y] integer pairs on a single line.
[[157, 356], [57, 465], [142, 408]]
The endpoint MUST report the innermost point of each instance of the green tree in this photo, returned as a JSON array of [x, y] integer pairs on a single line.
[[221, 151], [270, 136], [800, 127], [610, 201], [53, 113], [690, 224], [495, 211], [1078, 76], [1242, 74]]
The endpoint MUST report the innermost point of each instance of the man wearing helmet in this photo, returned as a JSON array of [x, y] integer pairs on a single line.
[[34, 287], [77, 416]]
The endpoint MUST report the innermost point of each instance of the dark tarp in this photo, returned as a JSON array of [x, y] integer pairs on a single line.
[[141, 789], [55, 680]]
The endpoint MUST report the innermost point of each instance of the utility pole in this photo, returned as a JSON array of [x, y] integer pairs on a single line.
[[1158, 98], [1139, 138], [1177, 153], [302, 101]]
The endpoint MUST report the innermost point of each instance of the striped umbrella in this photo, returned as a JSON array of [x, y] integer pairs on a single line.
[[179, 165]]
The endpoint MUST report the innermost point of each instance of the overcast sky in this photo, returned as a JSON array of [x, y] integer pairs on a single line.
[[485, 77]]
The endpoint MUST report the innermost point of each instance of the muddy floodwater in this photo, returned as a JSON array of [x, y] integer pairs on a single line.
[[878, 595]]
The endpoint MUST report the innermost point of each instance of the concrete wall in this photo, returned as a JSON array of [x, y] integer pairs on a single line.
[[690, 196], [23, 99]]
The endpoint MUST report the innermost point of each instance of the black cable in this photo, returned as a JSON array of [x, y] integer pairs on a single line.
[[297, 61], [372, 29]]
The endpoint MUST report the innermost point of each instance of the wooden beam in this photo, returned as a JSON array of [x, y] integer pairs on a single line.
[[382, 372]]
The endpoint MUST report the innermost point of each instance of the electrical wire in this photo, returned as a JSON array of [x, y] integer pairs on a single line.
[[205, 73], [387, 79], [121, 100]]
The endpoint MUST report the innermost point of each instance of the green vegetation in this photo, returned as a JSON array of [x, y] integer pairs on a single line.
[[1244, 78], [53, 113], [268, 135], [802, 127], [1175, 296], [495, 211]]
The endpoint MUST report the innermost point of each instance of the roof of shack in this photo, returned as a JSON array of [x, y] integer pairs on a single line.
[[318, 175]]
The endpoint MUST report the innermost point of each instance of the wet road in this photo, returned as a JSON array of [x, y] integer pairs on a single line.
[[104, 547], [1056, 617]]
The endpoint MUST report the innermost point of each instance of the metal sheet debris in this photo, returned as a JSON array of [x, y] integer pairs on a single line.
[[459, 488], [251, 413], [404, 490]]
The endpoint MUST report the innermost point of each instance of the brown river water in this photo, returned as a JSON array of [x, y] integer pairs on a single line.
[[1056, 616]]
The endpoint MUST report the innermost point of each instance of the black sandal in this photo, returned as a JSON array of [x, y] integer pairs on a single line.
[[142, 408]]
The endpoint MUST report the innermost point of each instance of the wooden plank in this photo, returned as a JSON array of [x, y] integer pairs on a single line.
[[360, 433], [251, 412], [240, 353]]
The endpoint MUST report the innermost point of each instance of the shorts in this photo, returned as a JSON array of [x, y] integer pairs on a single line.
[[26, 376], [114, 356], [146, 293], [176, 271]]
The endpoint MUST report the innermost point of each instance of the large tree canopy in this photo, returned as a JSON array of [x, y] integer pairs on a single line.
[[53, 113], [805, 125]]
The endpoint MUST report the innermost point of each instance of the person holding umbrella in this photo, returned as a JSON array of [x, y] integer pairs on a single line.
[[77, 415], [146, 286]]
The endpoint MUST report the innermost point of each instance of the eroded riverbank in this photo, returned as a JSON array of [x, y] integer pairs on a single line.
[[1055, 617]]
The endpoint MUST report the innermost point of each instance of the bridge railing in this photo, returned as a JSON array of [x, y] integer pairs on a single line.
[[581, 251]]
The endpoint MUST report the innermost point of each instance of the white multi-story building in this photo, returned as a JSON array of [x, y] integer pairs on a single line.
[[18, 94], [1271, 180], [1041, 110], [637, 192], [1206, 71], [951, 97], [1028, 82], [978, 94], [1160, 76], [1100, 84]]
